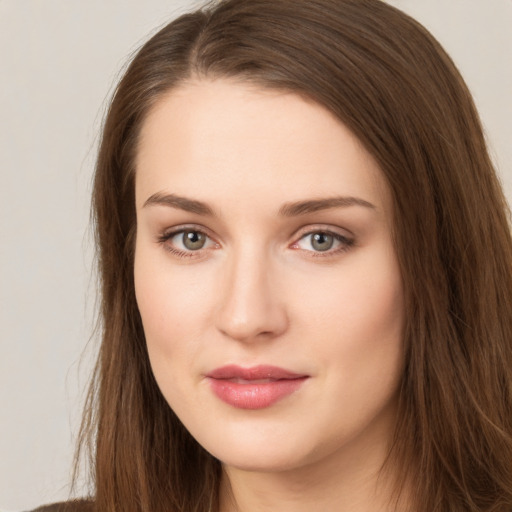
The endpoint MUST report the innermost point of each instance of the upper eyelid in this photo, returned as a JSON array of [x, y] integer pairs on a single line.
[[297, 235], [175, 230], [323, 228], [337, 236]]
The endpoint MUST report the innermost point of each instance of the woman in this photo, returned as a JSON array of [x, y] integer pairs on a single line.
[[306, 271]]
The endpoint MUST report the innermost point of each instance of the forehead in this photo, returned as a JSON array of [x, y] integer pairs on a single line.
[[221, 138]]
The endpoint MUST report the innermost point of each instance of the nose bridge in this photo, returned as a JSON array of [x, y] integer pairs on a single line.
[[252, 305]]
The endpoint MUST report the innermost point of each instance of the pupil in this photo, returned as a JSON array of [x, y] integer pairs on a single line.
[[193, 240], [322, 241]]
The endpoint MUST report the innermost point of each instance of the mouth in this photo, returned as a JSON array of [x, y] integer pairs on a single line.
[[257, 387]]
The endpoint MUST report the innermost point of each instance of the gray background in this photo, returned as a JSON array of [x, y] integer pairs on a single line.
[[59, 60]]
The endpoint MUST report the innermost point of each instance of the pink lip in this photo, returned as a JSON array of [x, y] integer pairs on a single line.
[[253, 388]]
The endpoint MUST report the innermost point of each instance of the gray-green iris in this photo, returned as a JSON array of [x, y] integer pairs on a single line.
[[322, 241], [193, 240]]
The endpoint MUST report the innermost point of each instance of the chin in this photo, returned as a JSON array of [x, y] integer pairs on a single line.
[[257, 460], [260, 449]]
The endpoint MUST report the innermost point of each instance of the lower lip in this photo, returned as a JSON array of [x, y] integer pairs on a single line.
[[254, 396]]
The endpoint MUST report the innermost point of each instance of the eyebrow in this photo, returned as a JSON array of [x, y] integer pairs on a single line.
[[181, 203], [314, 205], [293, 209]]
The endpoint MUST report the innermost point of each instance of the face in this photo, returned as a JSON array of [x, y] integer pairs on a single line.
[[266, 277]]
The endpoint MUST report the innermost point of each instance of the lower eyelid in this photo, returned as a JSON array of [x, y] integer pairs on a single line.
[[345, 246]]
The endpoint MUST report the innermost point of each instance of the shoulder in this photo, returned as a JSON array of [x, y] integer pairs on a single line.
[[68, 506]]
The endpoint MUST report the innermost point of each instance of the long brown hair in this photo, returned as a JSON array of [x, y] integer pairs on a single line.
[[386, 78]]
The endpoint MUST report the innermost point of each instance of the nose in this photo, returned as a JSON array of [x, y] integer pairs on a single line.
[[252, 306]]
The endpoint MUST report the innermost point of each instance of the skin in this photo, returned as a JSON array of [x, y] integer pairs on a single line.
[[260, 292]]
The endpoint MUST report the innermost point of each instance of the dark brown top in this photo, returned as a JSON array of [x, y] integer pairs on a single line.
[[68, 506]]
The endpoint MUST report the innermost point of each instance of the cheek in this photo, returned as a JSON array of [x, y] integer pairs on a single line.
[[177, 307], [357, 319], [169, 316], [361, 301], [169, 307], [171, 301], [359, 334]]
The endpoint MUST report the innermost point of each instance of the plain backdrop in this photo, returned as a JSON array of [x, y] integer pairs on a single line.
[[59, 60]]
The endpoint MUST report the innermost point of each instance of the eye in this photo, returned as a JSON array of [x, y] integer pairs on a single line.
[[185, 242], [323, 242], [192, 240]]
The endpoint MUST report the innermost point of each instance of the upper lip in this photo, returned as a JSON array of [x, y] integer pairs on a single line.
[[253, 373]]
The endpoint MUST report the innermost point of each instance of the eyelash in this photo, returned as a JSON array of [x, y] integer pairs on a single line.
[[345, 242], [165, 237]]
